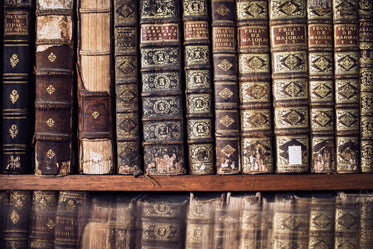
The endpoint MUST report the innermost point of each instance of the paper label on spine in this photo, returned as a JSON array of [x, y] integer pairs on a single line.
[[295, 155]]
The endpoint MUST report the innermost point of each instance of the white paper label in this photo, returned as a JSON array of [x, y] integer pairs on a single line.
[[295, 154]]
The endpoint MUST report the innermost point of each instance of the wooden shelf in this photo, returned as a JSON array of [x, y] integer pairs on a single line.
[[189, 183]]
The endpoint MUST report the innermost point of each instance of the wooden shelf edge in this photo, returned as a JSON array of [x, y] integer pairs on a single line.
[[189, 183]]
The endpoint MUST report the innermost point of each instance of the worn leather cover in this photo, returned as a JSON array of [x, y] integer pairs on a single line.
[[17, 84], [254, 74], [288, 29], [162, 99], [4, 200], [227, 124], [346, 73], [54, 72]]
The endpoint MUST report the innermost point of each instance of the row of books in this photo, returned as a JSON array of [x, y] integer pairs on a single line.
[[199, 86], [48, 219]]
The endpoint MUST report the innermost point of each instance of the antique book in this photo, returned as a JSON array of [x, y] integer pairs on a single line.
[[162, 95], [227, 127], [254, 75], [54, 72], [42, 219], [365, 15], [17, 61], [268, 208], [346, 74], [321, 224], [200, 220], [288, 36], [16, 230], [199, 109], [71, 217], [161, 221], [321, 86], [95, 87], [347, 220], [127, 86], [4, 198], [366, 220]]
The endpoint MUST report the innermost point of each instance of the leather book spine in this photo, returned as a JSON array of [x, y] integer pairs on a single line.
[[42, 219], [53, 82], [288, 36], [4, 199], [16, 230], [197, 65], [254, 75], [162, 89], [346, 73], [321, 225], [227, 124], [161, 222], [95, 87], [17, 61], [321, 86], [127, 86], [365, 12], [366, 220]]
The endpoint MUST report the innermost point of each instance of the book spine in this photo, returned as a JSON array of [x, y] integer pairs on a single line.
[[288, 29], [16, 231], [197, 64], [346, 73], [321, 85], [227, 128], [254, 74], [42, 219], [53, 82], [17, 61], [162, 102], [366, 221], [4, 199], [127, 86], [95, 87], [365, 13]]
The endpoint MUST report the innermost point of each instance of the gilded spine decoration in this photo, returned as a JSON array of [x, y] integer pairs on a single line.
[[54, 83], [126, 86], [162, 102], [288, 32], [95, 87], [365, 12], [346, 74], [17, 61], [321, 85], [254, 74], [227, 128], [199, 109]]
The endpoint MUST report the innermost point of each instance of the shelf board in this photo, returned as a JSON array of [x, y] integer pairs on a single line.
[[189, 183]]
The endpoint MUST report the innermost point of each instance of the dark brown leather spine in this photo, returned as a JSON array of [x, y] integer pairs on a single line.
[[227, 124], [365, 12], [321, 85], [127, 86], [54, 82], [162, 102], [254, 74], [17, 61], [346, 73], [4, 199], [288, 29]]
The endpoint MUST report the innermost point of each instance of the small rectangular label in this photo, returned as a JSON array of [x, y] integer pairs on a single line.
[[295, 155], [16, 23], [196, 30], [159, 33], [346, 34]]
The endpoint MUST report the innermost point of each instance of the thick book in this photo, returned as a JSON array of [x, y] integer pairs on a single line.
[[366, 220], [127, 86], [16, 230], [254, 75], [365, 15], [17, 63], [227, 124], [321, 86], [346, 74], [198, 82], [162, 87], [161, 221], [42, 219], [288, 36], [95, 138], [54, 72]]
